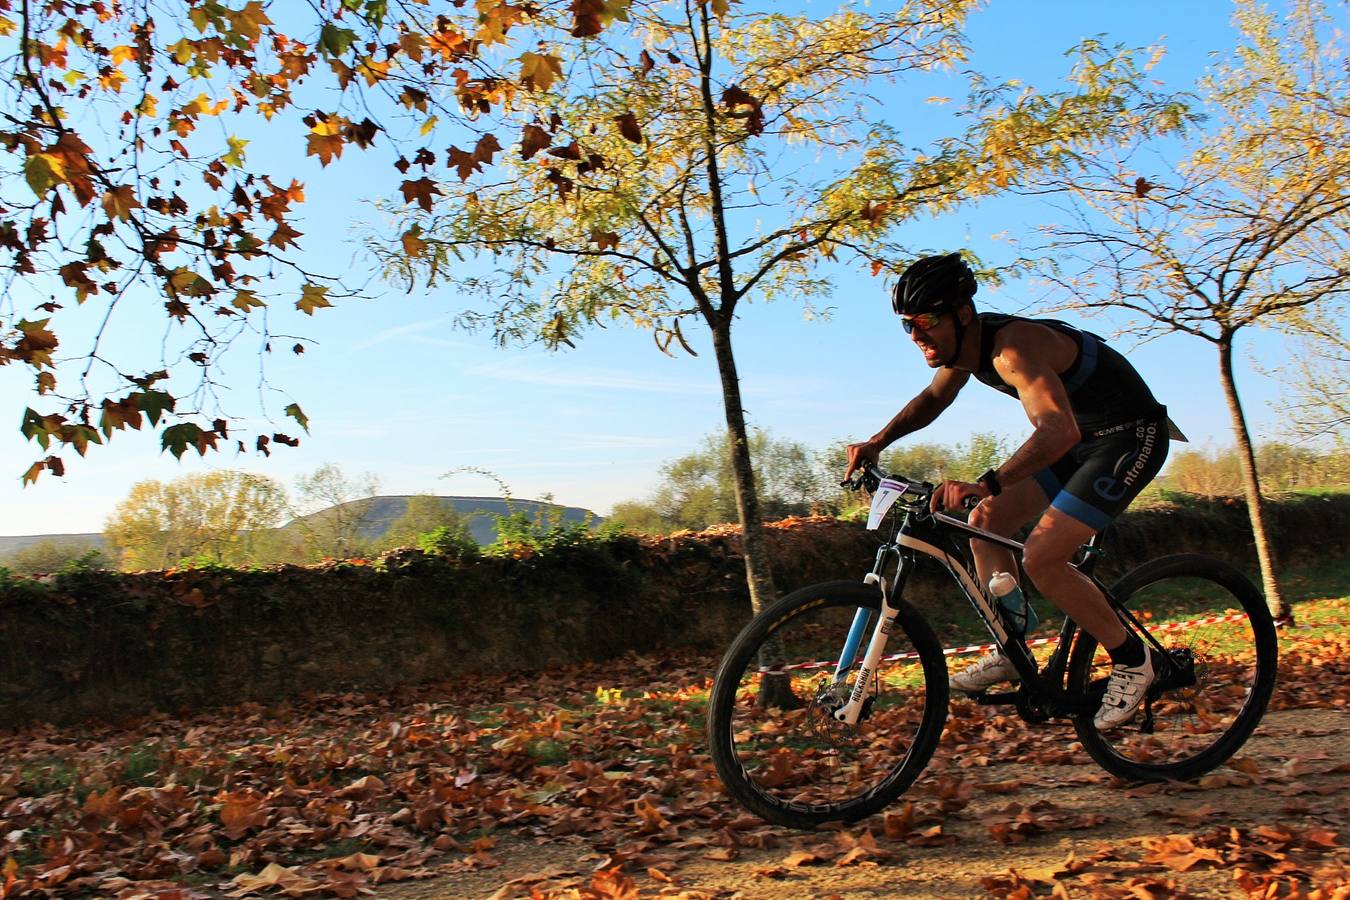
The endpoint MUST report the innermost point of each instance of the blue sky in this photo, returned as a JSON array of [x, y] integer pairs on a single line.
[[392, 388]]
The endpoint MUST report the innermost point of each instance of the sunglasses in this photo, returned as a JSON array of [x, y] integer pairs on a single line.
[[923, 322]]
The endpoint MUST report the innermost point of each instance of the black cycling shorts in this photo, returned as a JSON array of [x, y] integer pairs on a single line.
[[1098, 478]]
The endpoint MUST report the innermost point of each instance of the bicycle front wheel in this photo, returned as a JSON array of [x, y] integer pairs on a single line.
[[775, 743], [1216, 628]]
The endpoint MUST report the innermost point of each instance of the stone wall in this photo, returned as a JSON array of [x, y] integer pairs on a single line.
[[100, 644]]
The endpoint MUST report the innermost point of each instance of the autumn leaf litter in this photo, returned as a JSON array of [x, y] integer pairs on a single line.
[[592, 782]]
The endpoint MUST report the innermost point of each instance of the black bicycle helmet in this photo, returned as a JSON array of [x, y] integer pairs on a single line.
[[934, 284]]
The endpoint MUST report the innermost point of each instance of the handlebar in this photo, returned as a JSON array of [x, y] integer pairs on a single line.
[[869, 476]]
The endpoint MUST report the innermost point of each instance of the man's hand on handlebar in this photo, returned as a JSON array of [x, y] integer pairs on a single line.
[[859, 455], [957, 495]]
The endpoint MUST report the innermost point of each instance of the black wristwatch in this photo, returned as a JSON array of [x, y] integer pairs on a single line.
[[990, 481]]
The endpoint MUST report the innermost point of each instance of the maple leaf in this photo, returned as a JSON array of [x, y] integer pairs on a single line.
[[120, 201], [586, 17], [296, 413], [177, 438], [485, 148], [52, 464], [465, 164], [246, 300], [290, 881], [421, 191], [413, 245], [37, 344], [235, 157], [39, 427], [872, 212], [120, 414], [284, 235], [538, 71], [604, 239], [184, 281], [736, 97], [312, 297], [532, 140], [325, 140], [43, 171], [335, 41], [153, 404], [572, 151], [628, 127]]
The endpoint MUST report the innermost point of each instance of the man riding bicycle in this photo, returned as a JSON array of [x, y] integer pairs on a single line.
[[1099, 437]]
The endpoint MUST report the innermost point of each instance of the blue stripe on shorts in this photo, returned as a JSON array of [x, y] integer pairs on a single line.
[[1084, 512]]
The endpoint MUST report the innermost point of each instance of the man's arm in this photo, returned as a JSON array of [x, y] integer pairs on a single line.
[[918, 413], [1024, 362]]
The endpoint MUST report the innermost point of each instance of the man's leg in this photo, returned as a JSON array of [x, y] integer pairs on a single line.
[[1049, 549], [1003, 515]]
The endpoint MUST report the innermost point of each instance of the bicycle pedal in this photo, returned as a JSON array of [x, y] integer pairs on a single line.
[[1000, 698]]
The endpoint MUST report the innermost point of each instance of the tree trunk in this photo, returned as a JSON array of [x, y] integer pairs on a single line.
[[1256, 510], [774, 690], [758, 570]]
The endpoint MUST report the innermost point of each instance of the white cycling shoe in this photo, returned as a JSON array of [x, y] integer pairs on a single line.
[[1125, 693], [984, 673]]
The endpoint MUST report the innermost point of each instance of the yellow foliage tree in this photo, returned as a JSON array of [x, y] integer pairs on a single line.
[[222, 517]]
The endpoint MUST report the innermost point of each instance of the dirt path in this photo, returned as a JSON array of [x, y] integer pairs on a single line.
[[1288, 793]]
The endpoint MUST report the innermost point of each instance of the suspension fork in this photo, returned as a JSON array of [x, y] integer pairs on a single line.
[[860, 618], [851, 711]]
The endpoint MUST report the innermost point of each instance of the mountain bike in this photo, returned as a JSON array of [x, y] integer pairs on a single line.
[[831, 701]]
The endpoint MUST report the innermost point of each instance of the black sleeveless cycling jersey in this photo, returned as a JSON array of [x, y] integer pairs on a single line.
[[1104, 390]]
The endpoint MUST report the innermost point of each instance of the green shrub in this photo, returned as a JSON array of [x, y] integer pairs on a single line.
[[452, 541]]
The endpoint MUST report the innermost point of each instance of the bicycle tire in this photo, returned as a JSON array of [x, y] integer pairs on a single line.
[[796, 766], [1228, 631]]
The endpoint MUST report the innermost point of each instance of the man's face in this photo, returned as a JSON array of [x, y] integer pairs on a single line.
[[934, 334]]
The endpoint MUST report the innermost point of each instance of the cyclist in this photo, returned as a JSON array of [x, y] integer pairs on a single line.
[[1098, 437]]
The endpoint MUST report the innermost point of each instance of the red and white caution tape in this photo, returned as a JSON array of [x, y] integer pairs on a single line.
[[981, 648]]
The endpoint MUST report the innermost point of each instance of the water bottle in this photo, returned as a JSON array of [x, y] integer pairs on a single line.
[[1017, 611]]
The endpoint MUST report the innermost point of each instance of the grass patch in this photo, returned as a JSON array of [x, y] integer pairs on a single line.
[[547, 752], [51, 776], [139, 765]]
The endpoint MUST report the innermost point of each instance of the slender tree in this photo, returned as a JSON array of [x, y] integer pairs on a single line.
[[698, 155], [1319, 378], [1247, 228], [334, 507]]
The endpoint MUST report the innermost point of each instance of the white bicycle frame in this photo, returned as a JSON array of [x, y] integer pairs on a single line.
[[888, 492]]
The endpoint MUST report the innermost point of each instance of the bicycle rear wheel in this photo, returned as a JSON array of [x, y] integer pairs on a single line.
[[1215, 626], [774, 742]]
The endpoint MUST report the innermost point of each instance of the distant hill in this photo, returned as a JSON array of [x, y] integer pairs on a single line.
[[13, 544], [481, 513]]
